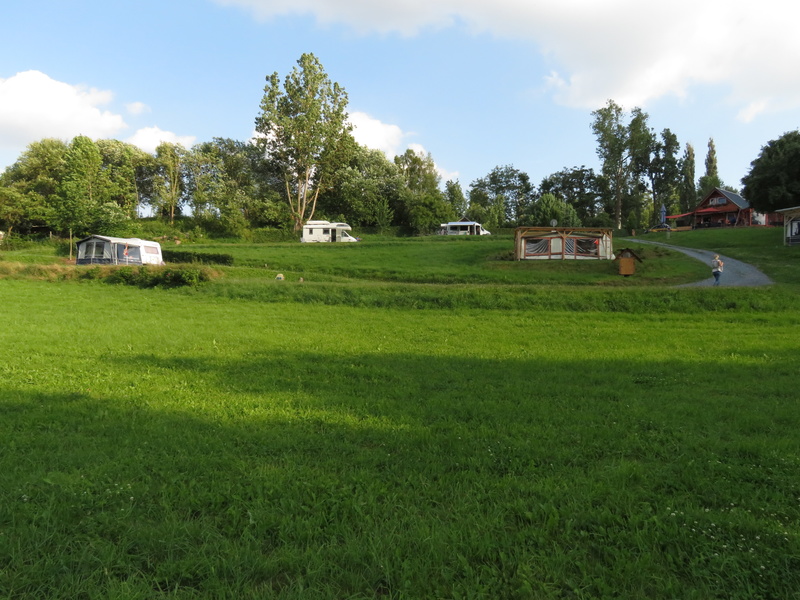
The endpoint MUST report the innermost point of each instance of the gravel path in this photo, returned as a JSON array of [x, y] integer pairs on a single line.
[[735, 273]]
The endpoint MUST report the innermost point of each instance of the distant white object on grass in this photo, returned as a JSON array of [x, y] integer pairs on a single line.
[[325, 231], [107, 250], [462, 228]]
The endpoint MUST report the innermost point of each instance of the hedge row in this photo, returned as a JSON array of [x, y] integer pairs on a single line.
[[206, 258]]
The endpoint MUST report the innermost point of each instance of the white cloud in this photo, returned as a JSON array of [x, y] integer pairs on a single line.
[[390, 139], [148, 139], [373, 133], [137, 108], [628, 50], [34, 106]]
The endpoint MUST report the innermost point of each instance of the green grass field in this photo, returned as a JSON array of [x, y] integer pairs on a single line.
[[390, 428]]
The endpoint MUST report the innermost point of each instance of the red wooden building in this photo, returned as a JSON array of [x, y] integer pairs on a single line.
[[721, 208]]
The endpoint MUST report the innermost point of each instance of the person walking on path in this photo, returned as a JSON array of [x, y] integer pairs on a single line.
[[716, 268], [737, 273]]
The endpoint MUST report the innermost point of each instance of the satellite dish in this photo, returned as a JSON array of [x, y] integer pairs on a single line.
[[553, 222]]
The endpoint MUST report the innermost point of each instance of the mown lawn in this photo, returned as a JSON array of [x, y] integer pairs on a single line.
[[447, 260], [204, 444]]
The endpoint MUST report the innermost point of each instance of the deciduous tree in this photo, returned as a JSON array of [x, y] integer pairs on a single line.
[[578, 187], [454, 196], [84, 188], [121, 161], [31, 186], [366, 189], [170, 179], [303, 128], [510, 185], [623, 145], [549, 208], [773, 181], [663, 172], [423, 206]]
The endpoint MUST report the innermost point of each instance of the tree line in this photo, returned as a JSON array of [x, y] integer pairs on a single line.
[[304, 163]]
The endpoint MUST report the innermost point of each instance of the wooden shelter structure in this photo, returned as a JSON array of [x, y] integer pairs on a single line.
[[791, 225], [563, 243]]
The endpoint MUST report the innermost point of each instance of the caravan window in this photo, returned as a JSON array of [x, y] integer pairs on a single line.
[[129, 253], [326, 232], [151, 250]]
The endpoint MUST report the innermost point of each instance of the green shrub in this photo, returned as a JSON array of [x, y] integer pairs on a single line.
[[267, 235], [148, 277], [138, 276], [91, 273], [181, 276]]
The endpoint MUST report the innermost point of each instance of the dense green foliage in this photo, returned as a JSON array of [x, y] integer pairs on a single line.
[[304, 163], [575, 439], [774, 178], [187, 256]]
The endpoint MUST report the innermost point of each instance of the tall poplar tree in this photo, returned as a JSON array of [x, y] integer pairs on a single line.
[[688, 189], [304, 130], [711, 179]]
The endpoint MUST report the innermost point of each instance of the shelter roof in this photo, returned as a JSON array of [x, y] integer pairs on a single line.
[[794, 211]]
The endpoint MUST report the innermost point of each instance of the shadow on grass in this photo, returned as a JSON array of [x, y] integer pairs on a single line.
[[304, 475]]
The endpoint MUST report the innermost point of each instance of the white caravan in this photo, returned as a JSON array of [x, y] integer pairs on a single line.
[[462, 228], [106, 250], [325, 231]]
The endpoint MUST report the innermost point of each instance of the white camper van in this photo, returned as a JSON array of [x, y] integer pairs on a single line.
[[325, 231], [105, 250], [462, 228]]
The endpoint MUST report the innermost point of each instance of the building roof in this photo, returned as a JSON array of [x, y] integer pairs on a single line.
[[733, 197]]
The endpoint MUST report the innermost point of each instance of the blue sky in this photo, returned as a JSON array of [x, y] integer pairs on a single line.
[[476, 83]]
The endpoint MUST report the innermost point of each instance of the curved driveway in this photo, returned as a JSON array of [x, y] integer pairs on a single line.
[[735, 273]]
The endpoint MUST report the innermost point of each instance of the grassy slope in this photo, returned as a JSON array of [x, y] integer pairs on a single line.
[[449, 261], [183, 445], [760, 246]]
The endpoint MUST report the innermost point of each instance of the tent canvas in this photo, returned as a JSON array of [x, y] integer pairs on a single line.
[[106, 250], [563, 243]]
